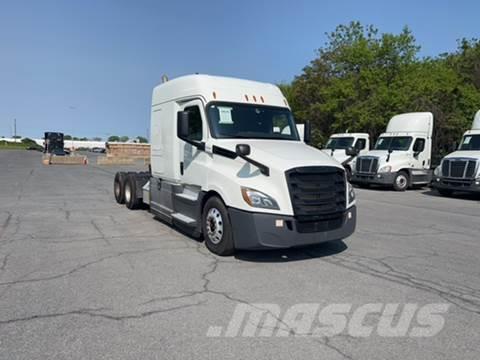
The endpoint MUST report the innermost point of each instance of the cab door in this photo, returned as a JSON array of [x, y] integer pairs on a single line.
[[421, 156], [193, 169]]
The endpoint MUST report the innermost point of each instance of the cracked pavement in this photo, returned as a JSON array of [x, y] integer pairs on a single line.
[[82, 277]]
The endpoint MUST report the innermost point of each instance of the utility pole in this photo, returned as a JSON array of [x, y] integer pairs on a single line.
[[14, 130]]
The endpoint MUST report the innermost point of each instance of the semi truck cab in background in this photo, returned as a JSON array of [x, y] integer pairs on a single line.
[[227, 163], [460, 170], [337, 145], [401, 156]]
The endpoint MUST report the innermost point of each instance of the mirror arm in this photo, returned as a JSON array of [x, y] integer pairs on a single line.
[[265, 170], [200, 145]]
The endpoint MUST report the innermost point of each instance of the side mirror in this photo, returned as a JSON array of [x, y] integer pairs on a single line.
[[242, 149], [183, 118], [351, 151], [307, 135]]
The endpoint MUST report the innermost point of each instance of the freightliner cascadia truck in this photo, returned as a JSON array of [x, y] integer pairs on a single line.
[[337, 145], [228, 164], [460, 170], [402, 155]]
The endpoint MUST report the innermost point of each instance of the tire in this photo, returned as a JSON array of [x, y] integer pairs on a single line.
[[130, 193], [445, 192], [216, 227], [400, 181], [119, 187]]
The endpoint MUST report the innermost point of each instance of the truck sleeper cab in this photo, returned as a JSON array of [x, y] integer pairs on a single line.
[[227, 163], [401, 156], [460, 170]]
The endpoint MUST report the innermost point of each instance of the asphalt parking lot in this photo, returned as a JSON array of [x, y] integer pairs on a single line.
[[82, 277]]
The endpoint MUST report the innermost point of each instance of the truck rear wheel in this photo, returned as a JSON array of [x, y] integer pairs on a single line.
[[130, 192], [216, 227], [400, 182], [119, 187]]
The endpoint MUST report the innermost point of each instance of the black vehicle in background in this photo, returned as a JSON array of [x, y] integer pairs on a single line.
[[54, 143]]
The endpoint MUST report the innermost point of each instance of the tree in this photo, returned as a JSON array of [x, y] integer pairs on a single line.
[[142, 139], [113, 138], [124, 138], [97, 138], [361, 78], [67, 137]]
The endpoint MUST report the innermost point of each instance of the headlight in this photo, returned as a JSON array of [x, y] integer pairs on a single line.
[[258, 199], [351, 193], [385, 169], [438, 171]]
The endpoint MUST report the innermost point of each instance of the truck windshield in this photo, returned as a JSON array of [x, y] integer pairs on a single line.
[[393, 143], [339, 143], [470, 142], [232, 120]]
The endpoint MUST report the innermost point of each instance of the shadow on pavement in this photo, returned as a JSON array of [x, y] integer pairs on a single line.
[[455, 195], [293, 254]]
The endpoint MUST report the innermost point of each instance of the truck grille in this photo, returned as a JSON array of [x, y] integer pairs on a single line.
[[367, 165], [459, 168], [318, 195]]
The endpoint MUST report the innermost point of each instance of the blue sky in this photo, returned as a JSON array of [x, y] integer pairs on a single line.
[[88, 67]]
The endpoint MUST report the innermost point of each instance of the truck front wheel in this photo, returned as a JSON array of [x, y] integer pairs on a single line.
[[400, 182], [216, 227]]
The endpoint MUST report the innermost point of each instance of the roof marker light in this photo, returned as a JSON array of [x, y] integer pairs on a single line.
[[254, 98], [246, 97], [285, 101], [261, 98], [214, 95]]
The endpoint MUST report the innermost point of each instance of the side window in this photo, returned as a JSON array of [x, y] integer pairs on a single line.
[[195, 124], [361, 144], [419, 145]]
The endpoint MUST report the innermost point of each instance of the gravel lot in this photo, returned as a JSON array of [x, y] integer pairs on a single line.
[[82, 277]]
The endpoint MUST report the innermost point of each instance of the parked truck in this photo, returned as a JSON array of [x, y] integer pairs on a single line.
[[402, 155], [227, 163], [460, 170], [337, 145]]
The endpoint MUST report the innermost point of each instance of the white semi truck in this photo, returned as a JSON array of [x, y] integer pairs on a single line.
[[338, 144], [460, 170], [401, 156], [227, 163]]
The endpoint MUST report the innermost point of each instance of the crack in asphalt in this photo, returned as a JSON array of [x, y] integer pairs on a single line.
[[463, 297]]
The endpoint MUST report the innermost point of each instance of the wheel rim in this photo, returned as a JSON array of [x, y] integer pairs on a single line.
[[214, 224], [128, 193], [401, 181]]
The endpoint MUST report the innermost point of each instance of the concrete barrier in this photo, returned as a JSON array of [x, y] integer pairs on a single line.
[[64, 160], [109, 160]]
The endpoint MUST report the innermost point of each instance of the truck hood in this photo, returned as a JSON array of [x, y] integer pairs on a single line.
[[339, 155], [281, 155], [397, 158], [473, 154]]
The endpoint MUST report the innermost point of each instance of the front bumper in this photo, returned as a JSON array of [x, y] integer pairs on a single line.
[[376, 179], [259, 231], [467, 185]]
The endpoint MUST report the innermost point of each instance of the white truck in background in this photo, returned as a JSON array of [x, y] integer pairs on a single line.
[[227, 163], [402, 155], [460, 170], [338, 144]]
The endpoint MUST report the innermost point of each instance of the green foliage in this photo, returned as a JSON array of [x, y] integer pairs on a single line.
[[361, 78], [113, 138], [142, 139], [67, 137], [124, 138]]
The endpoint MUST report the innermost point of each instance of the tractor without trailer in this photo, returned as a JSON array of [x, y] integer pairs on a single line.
[[460, 170], [339, 147], [228, 164], [402, 155]]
